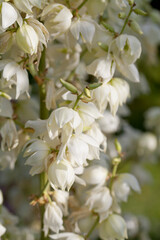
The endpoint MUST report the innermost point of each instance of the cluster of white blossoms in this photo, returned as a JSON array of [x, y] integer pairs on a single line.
[[81, 58]]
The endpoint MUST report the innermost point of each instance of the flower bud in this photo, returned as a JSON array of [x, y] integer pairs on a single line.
[[87, 93], [27, 39], [94, 85], [135, 27], [114, 227], [69, 86], [122, 15], [140, 12], [131, 2], [61, 175]]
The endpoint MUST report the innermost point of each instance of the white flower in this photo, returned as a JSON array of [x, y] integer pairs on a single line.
[[122, 185], [83, 27], [40, 29], [9, 135], [65, 119], [24, 6], [5, 108], [96, 8], [1, 197], [9, 15], [53, 218], [27, 39], [102, 68], [2, 230], [16, 75], [66, 236], [37, 152], [61, 175], [114, 92], [109, 123], [57, 18], [95, 175], [100, 200], [61, 198], [147, 143], [114, 227], [128, 48]]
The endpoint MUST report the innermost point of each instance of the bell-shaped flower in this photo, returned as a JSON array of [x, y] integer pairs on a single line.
[[2, 230], [128, 48], [95, 175], [96, 8], [40, 29], [5, 108], [38, 153], [9, 15], [15, 74], [27, 39], [53, 218], [109, 123], [100, 200], [114, 227], [66, 120], [95, 133], [9, 135], [24, 6], [61, 198], [114, 92], [57, 18], [84, 27], [102, 68], [66, 236], [61, 175], [122, 185]]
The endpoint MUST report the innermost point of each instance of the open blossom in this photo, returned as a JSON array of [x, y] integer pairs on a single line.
[[100, 200], [114, 92], [61, 175], [16, 75], [52, 218], [114, 227], [123, 184], [9, 15], [9, 135], [102, 68], [83, 27], [57, 18], [65, 119]]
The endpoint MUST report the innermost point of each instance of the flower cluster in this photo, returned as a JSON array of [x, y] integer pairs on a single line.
[[82, 63]]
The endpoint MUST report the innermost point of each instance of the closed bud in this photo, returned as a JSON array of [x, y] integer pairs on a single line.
[[135, 27], [118, 146], [27, 39], [122, 15], [94, 85], [116, 161], [131, 2], [87, 93], [69, 86], [140, 12], [108, 27]]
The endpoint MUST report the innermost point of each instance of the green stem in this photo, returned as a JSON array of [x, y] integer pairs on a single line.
[[79, 7], [127, 18], [77, 101], [92, 228]]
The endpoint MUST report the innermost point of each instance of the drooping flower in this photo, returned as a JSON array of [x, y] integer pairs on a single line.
[[114, 227], [52, 218]]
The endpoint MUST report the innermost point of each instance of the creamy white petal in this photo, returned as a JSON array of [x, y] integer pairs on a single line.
[[9, 15]]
